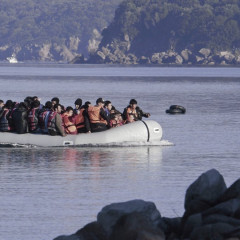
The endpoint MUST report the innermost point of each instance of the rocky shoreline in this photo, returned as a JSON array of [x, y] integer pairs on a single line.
[[212, 211], [110, 55]]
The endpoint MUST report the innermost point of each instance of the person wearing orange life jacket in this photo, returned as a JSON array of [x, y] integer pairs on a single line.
[[33, 117], [134, 110], [68, 122], [4, 113], [81, 117], [55, 124], [98, 118]]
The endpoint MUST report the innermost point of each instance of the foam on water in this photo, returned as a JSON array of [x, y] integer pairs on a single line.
[[123, 144]]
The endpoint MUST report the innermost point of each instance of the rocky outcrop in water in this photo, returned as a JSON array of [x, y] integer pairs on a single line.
[[212, 211]]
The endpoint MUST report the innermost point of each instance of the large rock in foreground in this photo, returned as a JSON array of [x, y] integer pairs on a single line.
[[212, 212], [207, 189], [110, 214]]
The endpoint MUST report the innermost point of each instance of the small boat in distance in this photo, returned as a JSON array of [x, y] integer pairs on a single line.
[[12, 59]]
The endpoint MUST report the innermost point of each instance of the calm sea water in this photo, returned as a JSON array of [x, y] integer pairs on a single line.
[[49, 192]]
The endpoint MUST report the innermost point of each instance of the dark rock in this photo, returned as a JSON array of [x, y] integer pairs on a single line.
[[136, 226], [113, 212], [207, 188], [194, 221], [92, 231], [232, 192], [195, 206], [71, 237], [215, 231], [171, 225], [229, 208], [215, 218]]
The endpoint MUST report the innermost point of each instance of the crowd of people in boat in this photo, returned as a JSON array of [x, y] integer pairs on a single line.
[[54, 119]]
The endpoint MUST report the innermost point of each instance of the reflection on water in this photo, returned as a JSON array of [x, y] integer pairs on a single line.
[[42, 181]]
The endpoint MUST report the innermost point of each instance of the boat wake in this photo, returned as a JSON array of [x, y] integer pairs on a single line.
[[123, 144]]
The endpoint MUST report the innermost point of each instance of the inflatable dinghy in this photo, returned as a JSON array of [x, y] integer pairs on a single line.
[[140, 131]]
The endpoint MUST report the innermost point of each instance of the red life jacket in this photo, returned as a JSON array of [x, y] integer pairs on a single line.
[[79, 119], [4, 125], [41, 119], [32, 120], [52, 121], [94, 115]]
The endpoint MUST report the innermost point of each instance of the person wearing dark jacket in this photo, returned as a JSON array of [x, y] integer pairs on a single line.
[[19, 117], [55, 123], [78, 104], [134, 110], [98, 119]]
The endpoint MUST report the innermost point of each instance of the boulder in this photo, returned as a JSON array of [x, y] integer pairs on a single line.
[[216, 218], [185, 55], [232, 192], [207, 188], [110, 214], [194, 221], [195, 206], [136, 226], [171, 225], [227, 56], [92, 231], [179, 59], [212, 231], [199, 59], [205, 52], [156, 58], [229, 208]]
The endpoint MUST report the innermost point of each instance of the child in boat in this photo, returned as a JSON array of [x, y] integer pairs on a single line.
[[130, 118], [116, 121]]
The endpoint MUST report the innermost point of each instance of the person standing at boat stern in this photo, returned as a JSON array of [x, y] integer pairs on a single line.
[[98, 118], [55, 124], [133, 109]]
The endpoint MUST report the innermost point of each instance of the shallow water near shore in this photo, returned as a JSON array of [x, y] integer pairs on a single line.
[[50, 192]]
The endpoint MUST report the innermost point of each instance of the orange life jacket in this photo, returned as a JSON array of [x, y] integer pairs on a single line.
[[69, 125], [94, 115], [131, 112], [79, 119]]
